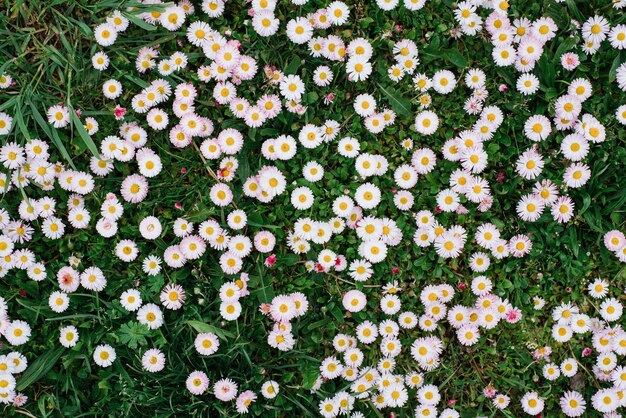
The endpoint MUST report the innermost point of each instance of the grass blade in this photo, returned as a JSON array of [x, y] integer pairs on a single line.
[[83, 132]]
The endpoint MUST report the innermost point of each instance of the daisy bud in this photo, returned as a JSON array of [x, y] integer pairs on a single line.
[[119, 112], [270, 261]]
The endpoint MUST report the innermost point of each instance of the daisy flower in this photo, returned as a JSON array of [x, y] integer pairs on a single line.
[[68, 336], [595, 29], [563, 209], [153, 360], [172, 296], [206, 344], [104, 355], [58, 116], [225, 390], [105, 34], [270, 389], [197, 382], [576, 175]]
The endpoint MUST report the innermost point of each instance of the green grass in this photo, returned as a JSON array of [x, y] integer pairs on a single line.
[[47, 45]]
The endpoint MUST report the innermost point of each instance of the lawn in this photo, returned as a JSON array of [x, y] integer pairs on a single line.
[[312, 208]]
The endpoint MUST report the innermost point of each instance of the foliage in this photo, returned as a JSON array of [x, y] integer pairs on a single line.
[[47, 46]]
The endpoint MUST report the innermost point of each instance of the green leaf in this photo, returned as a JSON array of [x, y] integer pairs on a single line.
[[564, 46], [133, 334], [319, 324], [156, 283], [288, 259], [39, 368], [365, 22], [616, 63], [204, 327], [338, 314], [139, 22], [546, 71], [309, 376], [255, 219], [21, 124], [398, 103], [293, 66], [573, 240], [456, 58], [82, 131], [52, 134], [571, 4]]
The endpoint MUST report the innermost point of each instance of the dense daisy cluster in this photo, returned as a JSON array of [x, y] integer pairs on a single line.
[[282, 310], [209, 95], [382, 383], [17, 333], [607, 340]]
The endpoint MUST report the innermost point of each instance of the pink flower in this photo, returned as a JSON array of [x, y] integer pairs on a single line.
[[270, 260], [513, 315], [502, 88], [395, 270], [461, 210], [542, 353], [183, 170], [119, 112], [462, 286], [134, 188], [265, 308], [485, 204], [178, 205], [319, 268], [452, 401], [489, 391], [586, 352], [570, 61]]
